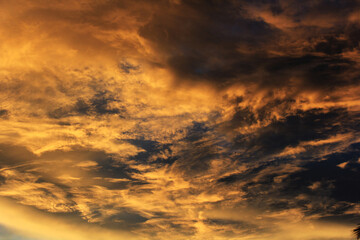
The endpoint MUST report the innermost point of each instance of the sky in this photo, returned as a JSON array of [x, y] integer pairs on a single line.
[[179, 119]]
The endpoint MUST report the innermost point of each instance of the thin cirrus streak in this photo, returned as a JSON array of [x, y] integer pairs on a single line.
[[179, 119]]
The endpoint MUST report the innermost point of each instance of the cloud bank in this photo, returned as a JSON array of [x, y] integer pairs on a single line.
[[179, 119]]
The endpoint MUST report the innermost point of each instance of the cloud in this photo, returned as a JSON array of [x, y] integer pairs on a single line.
[[179, 119]]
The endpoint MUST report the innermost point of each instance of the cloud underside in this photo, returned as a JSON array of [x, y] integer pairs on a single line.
[[179, 119]]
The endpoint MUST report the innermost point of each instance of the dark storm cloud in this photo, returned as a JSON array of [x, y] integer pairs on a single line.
[[324, 8], [317, 73], [203, 44], [222, 44]]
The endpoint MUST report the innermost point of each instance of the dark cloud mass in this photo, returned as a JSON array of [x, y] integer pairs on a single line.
[[179, 119]]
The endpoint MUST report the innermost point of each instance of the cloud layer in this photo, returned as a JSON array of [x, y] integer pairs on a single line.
[[179, 119]]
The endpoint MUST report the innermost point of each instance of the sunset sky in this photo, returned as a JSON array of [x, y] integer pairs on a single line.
[[179, 119]]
